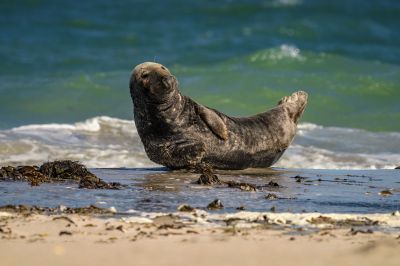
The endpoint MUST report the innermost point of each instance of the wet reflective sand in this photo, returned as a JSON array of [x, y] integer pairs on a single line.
[[159, 190]]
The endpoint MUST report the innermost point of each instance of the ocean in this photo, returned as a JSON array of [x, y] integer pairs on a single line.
[[65, 68]]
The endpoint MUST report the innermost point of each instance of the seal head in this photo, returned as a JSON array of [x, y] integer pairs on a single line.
[[154, 82]]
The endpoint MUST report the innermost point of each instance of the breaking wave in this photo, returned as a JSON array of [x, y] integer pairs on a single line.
[[110, 142]]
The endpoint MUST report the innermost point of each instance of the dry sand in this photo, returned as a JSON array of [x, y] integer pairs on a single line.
[[71, 239]]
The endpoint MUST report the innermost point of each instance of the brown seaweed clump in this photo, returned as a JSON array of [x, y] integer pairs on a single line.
[[34, 176], [30, 174], [208, 179], [93, 182], [23, 209], [215, 204], [28, 210], [67, 169], [207, 176], [346, 222], [241, 185], [55, 172], [185, 208]]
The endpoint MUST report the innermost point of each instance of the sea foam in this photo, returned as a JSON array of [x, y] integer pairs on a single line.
[[111, 142]]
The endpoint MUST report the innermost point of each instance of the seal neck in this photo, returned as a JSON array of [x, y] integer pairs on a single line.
[[169, 109]]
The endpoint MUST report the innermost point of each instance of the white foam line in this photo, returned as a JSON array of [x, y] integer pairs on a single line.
[[249, 219]]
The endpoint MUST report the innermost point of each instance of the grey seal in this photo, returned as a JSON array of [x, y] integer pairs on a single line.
[[179, 133]]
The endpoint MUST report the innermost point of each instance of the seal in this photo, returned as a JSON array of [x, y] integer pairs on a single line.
[[179, 133]]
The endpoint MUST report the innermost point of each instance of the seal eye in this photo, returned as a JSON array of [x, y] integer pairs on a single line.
[[144, 75]]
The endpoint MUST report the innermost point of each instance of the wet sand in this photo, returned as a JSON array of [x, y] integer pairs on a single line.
[[284, 190], [72, 239], [302, 217]]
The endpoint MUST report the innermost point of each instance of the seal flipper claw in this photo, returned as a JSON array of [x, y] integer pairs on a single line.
[[214, 122]]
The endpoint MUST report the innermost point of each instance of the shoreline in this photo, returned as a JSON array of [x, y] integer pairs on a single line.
[[301, 217], [256, 190], [83, 239]]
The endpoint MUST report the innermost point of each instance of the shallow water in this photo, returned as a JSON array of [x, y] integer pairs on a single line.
[[157, 190], [110, 142]]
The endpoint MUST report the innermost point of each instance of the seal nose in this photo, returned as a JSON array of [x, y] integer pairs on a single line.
[[168, 81]]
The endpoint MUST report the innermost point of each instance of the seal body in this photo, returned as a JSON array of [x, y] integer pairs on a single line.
[[179, 133]]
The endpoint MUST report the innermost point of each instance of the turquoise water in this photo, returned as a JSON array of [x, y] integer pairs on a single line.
[[65, 62]]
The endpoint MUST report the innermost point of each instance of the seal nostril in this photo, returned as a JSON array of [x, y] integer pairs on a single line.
[[162, 67]]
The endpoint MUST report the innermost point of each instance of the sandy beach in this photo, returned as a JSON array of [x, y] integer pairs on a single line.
[[73, 239], [159, 217]]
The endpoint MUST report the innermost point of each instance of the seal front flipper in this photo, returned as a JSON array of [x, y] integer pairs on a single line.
[[179, 153], [214, 122]]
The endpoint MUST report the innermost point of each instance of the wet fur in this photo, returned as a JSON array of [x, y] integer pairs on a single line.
[[179, 133]]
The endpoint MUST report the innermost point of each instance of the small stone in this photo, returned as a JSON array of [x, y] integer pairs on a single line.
[[398, 167], [120, 228], [273, 209], [272, 184], [271, 196], [356, 231], [299, 178], [185, 208], [240, 208], [385, 193], [208, 179], [65, 233], [215, 204], [242, 186]]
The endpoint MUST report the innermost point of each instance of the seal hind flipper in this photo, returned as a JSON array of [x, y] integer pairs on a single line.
[[214, 122], [295, 104]]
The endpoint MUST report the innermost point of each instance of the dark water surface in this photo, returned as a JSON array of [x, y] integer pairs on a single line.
[[65, 67], [63, 61], [156, 190]]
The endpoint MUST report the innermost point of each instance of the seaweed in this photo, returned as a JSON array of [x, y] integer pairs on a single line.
[[208, 179], [241, 185], [299, 179], [215, 204], [56, 171], [271, 196], [346, 222], [65, 170], [385, 193], [186, 208], [28, 209], [207, 176]]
